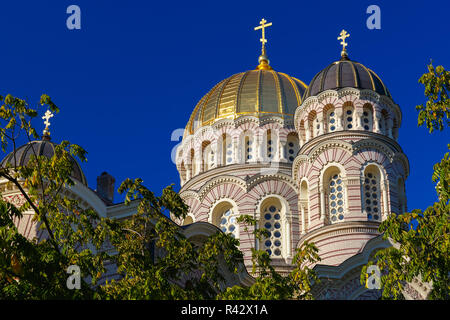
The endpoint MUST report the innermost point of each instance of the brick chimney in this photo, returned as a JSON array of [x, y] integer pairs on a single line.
[[105, 187]]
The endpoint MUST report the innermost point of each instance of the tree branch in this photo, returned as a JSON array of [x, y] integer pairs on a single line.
[[36, 210]]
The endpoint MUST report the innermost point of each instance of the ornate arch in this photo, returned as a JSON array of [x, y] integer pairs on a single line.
[[282, 232], [218, 181], [330, 144], [280, 177]]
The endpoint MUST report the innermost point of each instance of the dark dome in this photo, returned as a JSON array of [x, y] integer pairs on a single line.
[[41, 148], [346, 73]]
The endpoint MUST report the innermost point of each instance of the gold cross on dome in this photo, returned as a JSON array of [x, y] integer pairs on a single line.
[[262, 26], [344, 35], [47, 117]]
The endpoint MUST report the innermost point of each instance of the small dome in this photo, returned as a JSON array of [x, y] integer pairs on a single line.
[[346, 73], [255, 92], [41, 148]]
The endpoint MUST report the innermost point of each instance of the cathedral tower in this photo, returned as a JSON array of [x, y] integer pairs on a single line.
[[236, 158], [317, 163], [350, 169]]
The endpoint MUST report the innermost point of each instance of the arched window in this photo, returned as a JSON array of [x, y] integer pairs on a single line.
[[249, 148], [335, 191], [271, 221], [302, 132], [228, 223], [371, 197], [188, 220], [292, 147], [208, 156], [383, 122], [314, 125], [227, 149], [193, 163], [367, 118], [331, 120], [183, 172], [348, 117], [304, 206], [316, 128], [224, 217], [271, 145]]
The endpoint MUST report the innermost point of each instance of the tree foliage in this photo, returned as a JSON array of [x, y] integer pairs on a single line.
[[435, 114], [36, 268], [157, 261], [148, 251], [33, 269], [422, 237], [271, 285]]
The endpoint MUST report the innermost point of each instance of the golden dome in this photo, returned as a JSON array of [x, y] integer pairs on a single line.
[[255, 92]]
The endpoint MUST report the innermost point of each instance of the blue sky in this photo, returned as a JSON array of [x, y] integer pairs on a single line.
[[134, 72]]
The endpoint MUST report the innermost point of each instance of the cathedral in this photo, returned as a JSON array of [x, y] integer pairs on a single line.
[[316, 162]]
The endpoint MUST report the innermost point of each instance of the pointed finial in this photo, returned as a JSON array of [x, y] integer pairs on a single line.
[[263, 60], [47, 117], [344, 35]]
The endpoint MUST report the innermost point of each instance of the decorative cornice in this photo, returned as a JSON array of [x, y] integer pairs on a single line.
[[189, 194], [313, 148], [218, 181], [340, 229], [362, 94], [374, 144], [284, 121], [400, 156], [324, 145], [232, 168], [257, 179]]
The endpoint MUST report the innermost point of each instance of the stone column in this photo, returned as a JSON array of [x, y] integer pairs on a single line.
[[282, 150], [308, 212], [257, 245], [345, 183], [384, 195], [235, 142], [376, 122], [257, 147], [359, 119], [389, 125], [322, 204], [198, 163], [288, 239], [216, 154], [320, 119], [338, 113], [188, 171], [307, 132], [276, 145], [303, 219]]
